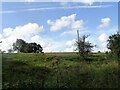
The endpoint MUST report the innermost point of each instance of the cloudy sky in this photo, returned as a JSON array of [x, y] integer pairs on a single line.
[[54, 24]]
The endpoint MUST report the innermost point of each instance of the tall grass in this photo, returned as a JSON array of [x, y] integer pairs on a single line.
[[58, 70]]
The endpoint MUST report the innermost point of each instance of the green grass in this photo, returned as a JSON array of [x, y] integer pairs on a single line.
[[58, 70]]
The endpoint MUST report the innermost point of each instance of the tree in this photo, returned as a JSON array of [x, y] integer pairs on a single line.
[[39, 48], [114, 45], [29, 48], [36, 48], [33, 48], [19, 45], [84, 47]]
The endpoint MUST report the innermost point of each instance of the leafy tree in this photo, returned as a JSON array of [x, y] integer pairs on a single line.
[[39, 48], [114, 45], [33, 48], [21, 46], [84, 47], [28, 48]]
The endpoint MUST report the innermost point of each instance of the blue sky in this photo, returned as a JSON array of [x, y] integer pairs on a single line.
[[54, 24]]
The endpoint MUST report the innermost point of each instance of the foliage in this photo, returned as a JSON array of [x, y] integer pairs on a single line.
[[114, 44], [58, 70], [84, 47], [21, 46]]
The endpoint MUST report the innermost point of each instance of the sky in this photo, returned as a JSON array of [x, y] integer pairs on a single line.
[[54, 25]]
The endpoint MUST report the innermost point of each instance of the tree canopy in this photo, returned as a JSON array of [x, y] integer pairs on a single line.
[[84, 47], [114, 44], [21, 46]]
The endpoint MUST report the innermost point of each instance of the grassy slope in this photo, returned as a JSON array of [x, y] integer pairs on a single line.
[[53, 70]]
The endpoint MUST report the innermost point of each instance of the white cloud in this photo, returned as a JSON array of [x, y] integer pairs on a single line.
[[62, 0], [48, 44], [69, 49], [0, 36], [7, 12], [29, 0], [63, 22], [38, 39], [103, 37], [90, 2], [105, 22], [67, 22], [83, 1], [54, 8], [70, 32], [87, 2], [102, 42], [70, 42], [78, 24], [24, 32], [68, 7], [30, 33], [82, 31], [7, 31], [102, 47]]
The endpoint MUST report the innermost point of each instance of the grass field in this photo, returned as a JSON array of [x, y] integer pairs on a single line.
[[58, 70]]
